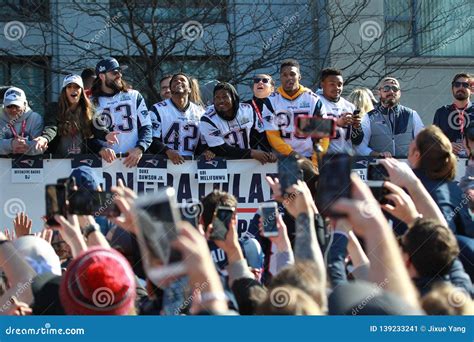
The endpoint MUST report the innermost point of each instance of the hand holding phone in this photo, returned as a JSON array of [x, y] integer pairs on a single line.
[[222, 222], [269, 212], [315, 127], [289, 172]]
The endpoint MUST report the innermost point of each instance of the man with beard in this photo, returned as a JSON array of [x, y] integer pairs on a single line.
[[390, 127], [335, 106], [455, 117], [122, 110], [176, 122]]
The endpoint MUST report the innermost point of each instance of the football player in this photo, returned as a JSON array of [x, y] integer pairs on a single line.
[[122, 110], [176, 122], [228, 125], [335, 106], [289, 101]]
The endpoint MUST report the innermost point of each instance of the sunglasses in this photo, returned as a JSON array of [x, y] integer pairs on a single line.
[[12, 107], [461, 84], [392, 88], [258, 79], [116, 72]]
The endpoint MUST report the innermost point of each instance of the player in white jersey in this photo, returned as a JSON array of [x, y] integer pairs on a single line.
[[289, 101], [175, 122], [121, 110], [227, 127], [334, 106]]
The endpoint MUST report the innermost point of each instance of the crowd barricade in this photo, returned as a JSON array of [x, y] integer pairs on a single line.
[[23, 181]]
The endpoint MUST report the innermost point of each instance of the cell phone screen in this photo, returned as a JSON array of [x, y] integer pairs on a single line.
[[315, 127], [269, 221], [377, 172], [96, 203], [334, 182], [221, 223], [289, 172], [55, 203]]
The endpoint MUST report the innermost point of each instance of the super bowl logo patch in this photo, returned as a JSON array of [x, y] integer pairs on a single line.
[[125, 97], [245, 120], [304, 105]]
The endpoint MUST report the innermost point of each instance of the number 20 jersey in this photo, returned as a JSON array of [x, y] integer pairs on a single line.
[[285, 112], [124, 112], [176, 129]]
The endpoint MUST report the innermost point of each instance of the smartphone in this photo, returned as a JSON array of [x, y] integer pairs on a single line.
[[379, 193], [221, 222], [55, 203], [377, 172], [356, 113], [289, 172], [334, 182], [157, 215], [96, 203], [315, 127], [269, 212]]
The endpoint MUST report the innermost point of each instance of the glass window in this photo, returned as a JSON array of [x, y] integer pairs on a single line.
[[430, 27], [29, 78], [213, 11], [25, 10]]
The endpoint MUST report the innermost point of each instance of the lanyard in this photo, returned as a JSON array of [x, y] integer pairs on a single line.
[[260, 118], [13, 130], [461, 116]]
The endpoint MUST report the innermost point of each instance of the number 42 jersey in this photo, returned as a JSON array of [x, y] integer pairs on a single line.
[[176, 129]]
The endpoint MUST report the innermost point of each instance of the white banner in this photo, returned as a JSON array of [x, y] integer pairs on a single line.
[[246, 181]]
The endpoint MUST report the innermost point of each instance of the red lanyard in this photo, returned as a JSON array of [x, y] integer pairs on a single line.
[[23, 129], [461, 116], [257, 111]]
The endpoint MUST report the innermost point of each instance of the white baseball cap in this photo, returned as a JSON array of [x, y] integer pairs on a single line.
[[14, 96], [73, 79]]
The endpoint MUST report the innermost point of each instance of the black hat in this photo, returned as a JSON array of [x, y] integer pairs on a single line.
[[45, 288], [108, 64]]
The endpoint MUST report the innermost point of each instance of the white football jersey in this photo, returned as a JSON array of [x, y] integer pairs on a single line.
[[284, 116], [176, 129], [216, 131], [125, 112], [342, 143]]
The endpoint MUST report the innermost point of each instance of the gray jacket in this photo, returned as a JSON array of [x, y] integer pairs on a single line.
[[33, 128]]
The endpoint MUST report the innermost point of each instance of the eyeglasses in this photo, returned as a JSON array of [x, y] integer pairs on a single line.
[[12, 107], [461, 84], [258, 79], [392, 88]]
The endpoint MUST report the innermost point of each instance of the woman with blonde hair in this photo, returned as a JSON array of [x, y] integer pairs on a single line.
[[363, 99]]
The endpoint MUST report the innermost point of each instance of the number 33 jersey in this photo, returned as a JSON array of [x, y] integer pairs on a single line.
[[124, 112], [176, 129], [217, 131]]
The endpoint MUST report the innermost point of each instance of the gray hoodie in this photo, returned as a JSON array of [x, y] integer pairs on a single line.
[[33, 129]]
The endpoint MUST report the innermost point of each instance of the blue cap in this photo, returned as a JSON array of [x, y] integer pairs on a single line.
[[252, 252], [85, 178], [108, 64]]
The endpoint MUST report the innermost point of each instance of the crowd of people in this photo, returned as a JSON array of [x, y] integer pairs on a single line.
[[409, 252]]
